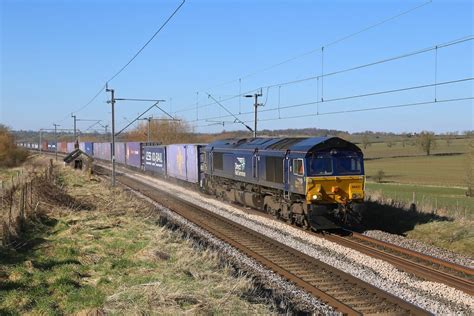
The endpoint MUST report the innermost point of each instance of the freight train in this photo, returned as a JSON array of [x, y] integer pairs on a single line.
[[314, 182]]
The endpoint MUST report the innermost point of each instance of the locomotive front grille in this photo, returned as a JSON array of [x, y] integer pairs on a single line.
[[337, 189]]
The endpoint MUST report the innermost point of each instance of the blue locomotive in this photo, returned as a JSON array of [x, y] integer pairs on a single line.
[[305, 181]]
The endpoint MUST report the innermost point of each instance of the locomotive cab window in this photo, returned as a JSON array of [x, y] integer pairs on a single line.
[[298, 167], [320, 166], [348, 165]]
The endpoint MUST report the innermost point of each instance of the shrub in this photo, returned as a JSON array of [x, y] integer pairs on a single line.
[[10, 154]]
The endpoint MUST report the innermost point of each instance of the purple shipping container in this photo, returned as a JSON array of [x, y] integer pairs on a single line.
[[182, 162], [70, 147], [120, 153], [102, 151], [154, 159], [134, 154], [87, 147]]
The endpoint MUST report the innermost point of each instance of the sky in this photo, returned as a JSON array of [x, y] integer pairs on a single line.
[[56, 55]]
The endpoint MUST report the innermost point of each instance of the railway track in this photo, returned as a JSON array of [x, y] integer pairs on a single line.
[[422, 265], [340, 290]]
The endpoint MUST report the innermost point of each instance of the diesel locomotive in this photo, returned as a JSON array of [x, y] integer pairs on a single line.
[[313, 182]]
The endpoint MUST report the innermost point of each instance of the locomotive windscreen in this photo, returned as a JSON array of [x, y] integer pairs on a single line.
[[336, 164]]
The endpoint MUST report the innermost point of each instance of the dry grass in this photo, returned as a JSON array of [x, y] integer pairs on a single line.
[[115, 258]]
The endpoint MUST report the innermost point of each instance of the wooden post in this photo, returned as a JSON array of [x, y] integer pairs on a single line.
[[21, 208]]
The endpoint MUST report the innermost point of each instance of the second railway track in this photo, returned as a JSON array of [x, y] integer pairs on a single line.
[[338, 289], [422, 265]]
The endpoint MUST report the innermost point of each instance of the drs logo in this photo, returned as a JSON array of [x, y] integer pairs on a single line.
[[240, 166]]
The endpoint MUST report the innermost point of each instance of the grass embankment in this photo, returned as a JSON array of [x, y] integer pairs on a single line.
[[445, 216], [114, 257], [443, 201]]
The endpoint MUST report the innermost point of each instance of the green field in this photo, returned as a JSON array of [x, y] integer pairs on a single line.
[[446, 166], [381, 150]]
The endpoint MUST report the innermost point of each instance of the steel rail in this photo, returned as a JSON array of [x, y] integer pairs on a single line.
[[421, 270]]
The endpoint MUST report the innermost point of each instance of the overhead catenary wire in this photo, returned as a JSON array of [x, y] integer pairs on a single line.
[[147, 42], [130, 60], [363, 109], [315, 50], [251, 74], [344, 70], [318, 101], [237, 120]]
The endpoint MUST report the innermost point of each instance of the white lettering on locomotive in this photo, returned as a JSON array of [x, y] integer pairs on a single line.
[[240, 167]]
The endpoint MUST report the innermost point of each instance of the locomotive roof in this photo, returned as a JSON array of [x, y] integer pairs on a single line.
[[299, 144]]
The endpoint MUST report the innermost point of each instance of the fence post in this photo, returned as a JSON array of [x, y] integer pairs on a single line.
[[21, 208]]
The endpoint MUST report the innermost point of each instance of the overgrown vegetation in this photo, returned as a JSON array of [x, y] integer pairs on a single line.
[[10, 154], [113, 257]]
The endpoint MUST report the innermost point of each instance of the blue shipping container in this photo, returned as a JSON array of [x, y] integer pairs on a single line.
[[154, 159], [182, 162], [102, 151], [134, 154], [120, 153], [87, 147]]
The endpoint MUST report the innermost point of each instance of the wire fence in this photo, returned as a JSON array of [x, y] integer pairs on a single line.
[[19, 202]]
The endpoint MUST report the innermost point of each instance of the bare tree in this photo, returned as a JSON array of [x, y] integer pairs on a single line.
[[163, 131], [426, 141]]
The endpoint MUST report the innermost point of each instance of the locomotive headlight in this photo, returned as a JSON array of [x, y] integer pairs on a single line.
[[315, 196], [356, 196]]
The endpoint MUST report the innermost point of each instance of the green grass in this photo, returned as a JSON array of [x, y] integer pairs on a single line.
[[445, 215], [448, 201], [381, 150], [432, 170], [106, 259], [457, 236], [446, 166]]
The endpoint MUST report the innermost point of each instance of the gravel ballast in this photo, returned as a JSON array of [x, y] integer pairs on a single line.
[[422, 247], [282, 290], [434, 297]]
